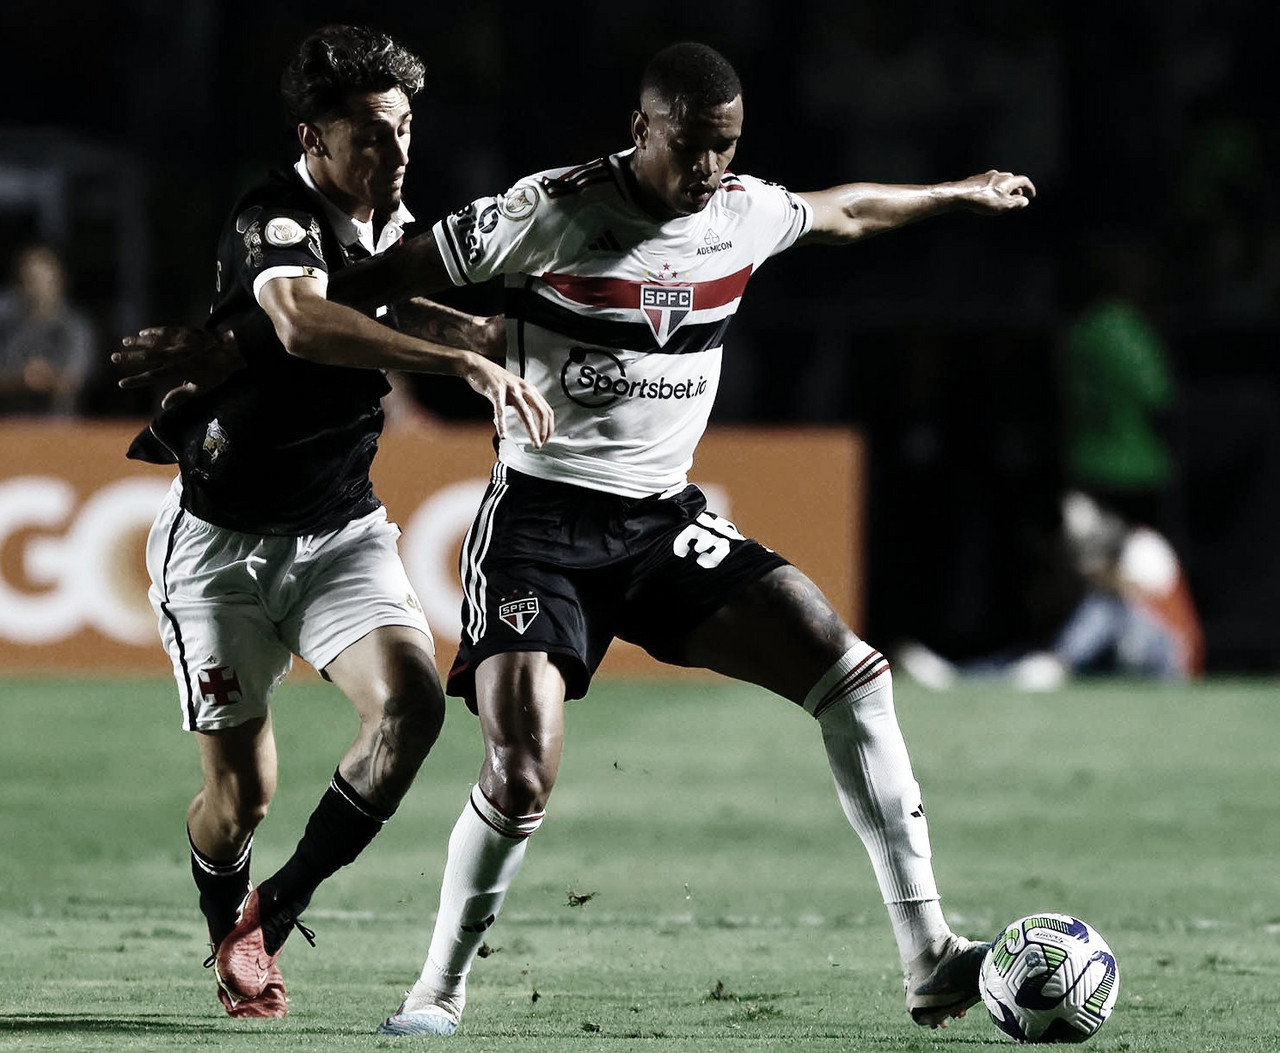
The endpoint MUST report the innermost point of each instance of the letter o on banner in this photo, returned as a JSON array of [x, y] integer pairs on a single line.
[[429, 549]]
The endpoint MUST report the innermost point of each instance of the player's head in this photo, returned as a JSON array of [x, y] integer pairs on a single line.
[[349, 91], [686, 128]]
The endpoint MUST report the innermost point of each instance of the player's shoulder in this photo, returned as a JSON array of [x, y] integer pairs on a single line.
[[565, 189], [553, 195], [279, 212], [572, 181], [280, 193], [280, 186], [741, 191]]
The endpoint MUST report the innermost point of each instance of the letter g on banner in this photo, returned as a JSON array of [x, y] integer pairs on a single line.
[[85, 577]]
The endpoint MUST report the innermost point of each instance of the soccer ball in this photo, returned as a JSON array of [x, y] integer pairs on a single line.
[[1049, 978]]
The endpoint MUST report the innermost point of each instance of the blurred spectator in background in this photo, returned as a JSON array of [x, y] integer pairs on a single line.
[[1227, 241], [47, 345], [1118, 386], [1134, 618]]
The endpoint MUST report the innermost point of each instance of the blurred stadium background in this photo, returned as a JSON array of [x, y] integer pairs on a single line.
[[127, 128]]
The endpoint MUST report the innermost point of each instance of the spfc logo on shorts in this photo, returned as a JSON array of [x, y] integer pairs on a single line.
[[664, 307], [519, 613]]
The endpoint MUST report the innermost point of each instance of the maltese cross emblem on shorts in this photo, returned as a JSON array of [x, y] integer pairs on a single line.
[[519, 613], [664, 307], [220, 683]]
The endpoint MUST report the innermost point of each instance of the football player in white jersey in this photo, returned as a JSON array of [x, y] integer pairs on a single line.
[[621, 278]]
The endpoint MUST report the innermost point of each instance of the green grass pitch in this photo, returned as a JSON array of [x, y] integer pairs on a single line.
[[695, 886]]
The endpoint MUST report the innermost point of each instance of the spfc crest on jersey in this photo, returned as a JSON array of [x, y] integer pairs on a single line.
[[664, 307], [519, 613]]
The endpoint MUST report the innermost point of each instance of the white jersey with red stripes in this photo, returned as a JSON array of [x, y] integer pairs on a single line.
[[617, 318]]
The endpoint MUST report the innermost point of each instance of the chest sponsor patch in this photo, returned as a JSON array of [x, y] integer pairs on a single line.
[[664, 307], [519, 614]]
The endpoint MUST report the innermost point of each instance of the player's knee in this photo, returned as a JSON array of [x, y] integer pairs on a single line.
[[522, 787], [250, 813], [237, 807], [858, 685], [412, 702], [414, 716]]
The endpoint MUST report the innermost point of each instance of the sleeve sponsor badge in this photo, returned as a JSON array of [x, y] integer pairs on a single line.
[[283, 232], [518, 202]]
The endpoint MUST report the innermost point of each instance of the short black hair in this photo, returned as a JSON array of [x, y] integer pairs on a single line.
[[338, 61], [691, 76]]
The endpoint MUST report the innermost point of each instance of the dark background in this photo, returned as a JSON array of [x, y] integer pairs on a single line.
[[126, 130]]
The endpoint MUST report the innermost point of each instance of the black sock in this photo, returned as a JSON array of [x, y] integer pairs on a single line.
[[222, 887], [339, 829]]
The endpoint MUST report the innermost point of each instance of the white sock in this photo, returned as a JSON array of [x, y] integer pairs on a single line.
[[853, 702], [486, 849]]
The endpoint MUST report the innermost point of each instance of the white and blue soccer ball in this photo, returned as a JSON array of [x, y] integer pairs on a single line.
[[1049, 978]]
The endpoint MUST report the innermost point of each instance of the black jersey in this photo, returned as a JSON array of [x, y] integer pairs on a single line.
[[283, 446]]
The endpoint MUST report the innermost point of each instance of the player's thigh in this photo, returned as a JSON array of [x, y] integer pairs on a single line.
[[393, 666], [226, 652], [778, 631], [227, 661], [695, 563], [527, 564], [354, 584]]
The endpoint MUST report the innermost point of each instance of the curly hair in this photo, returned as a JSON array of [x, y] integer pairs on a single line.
[[691, 76], [338, 61]]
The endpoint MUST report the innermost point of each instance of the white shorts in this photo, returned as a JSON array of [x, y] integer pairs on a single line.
[[234, 608]]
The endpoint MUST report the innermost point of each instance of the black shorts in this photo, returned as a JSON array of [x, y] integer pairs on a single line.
[[563, 569]]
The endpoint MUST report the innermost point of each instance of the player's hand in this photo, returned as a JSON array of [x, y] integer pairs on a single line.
[[192, 360], [994, 192], [503, 388]]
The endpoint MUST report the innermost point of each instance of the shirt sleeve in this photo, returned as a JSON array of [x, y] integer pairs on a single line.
[[494, 235], [278, 242], [780, 218]]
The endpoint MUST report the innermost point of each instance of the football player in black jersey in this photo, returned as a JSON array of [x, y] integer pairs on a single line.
[[272, 541]]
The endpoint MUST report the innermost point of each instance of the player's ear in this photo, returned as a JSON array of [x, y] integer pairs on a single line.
[[312, 140], [639, 128]]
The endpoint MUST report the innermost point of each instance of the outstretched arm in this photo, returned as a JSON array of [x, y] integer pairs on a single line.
[[193, 361], [859, 210], [190, 361], [433, 321], [411, 269], [318, 330]]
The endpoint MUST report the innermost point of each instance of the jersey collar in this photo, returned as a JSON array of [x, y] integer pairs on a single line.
[[349, 229], [625, 178]]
